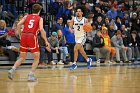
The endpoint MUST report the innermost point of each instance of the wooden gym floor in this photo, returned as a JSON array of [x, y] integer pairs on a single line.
[[104, 78]]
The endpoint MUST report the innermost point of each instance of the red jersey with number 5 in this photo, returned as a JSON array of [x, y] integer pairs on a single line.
[[31, 24]]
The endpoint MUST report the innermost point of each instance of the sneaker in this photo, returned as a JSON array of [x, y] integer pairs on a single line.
[[106, 62], [89, 63], [60, 63], [42, 64], [114, 62], [98, 61], [31, 77], [110, 62], [52, 63], [65, 62], [10, 73], [70, 63], [73, 67]]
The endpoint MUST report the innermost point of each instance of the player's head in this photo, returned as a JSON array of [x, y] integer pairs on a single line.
[[79, 11], [36, 8]]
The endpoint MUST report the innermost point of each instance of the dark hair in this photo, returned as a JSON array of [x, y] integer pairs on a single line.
[[59, 18], [82, 7], [36, 8], [134, 32], [94, 24], [66, 3]]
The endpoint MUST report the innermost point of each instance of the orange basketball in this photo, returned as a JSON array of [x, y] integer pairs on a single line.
[[87, 27]]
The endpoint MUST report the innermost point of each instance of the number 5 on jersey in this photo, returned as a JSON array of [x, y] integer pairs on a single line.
[[31, 23]]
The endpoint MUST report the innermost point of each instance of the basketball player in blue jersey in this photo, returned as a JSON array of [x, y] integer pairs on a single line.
[[80, 36]]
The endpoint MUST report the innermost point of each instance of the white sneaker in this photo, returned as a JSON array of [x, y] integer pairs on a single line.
[[10, 73], [98, 61], [108, 62], [60, 63], [52, 63], [31, 77], [70, 63]]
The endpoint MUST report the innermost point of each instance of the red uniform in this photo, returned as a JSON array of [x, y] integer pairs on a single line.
[[29, 34]]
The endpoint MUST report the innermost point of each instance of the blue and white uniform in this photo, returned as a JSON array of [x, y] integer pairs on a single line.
[[80, 34]]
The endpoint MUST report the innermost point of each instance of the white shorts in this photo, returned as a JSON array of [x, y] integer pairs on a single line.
[[80, 40]]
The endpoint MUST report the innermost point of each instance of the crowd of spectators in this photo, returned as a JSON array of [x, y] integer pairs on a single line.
[[116, 28]]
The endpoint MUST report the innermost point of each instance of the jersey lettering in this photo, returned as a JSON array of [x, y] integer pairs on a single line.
[[78, 28]]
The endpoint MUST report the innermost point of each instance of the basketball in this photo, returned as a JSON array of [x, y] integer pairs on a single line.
[[87, 27]]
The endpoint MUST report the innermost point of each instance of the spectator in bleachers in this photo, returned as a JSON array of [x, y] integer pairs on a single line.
[[59, 25], [70, 40], [107, 5], [97, 12], [107, 45], [15, 25], [92, 34], [107, 22], [5, 14], [63, 48], [112, 13], [117, 42], [112, 22], [98, 43], [111, 31], [133, 43], [87, 9], [82, 2], [131, 11], [3, 34], [43, 49], [125, 31], [122, 6], [10, 11], [65, 11], [120, 13], [126, 19], [99, 22], [126, 5], [75, 3], [53, 40], [118, 23], [90, 17], [54, 7], [115, 4], [135, 22], [104, 7], [127, 41]]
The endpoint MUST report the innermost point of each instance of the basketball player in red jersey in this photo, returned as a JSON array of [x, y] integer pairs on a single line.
[[33, 23]]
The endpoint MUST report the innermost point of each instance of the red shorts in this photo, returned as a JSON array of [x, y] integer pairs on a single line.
[[29, 41]]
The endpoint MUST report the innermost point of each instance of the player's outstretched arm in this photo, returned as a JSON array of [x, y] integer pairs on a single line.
[[43, 33]]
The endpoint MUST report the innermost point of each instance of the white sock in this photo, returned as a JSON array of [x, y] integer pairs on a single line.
[[13, 68], [31, 73], [87, 59], [74, 62]]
